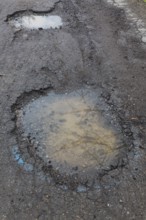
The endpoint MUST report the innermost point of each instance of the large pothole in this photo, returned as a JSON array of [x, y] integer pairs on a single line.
[[74, 134]]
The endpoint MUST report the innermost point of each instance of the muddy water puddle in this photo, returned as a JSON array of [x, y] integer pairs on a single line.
[[36, 21], [72, 132]]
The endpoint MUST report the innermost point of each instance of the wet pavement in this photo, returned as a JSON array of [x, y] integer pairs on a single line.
[[72, 110], [74, 133], [35, 21]]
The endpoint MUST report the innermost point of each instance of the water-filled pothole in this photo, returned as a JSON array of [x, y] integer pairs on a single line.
[[36, 21], [73, 133]]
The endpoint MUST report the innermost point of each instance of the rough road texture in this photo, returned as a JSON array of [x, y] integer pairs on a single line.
[[96, 47]]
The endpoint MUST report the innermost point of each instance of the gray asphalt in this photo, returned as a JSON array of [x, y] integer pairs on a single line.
[[98, 48]]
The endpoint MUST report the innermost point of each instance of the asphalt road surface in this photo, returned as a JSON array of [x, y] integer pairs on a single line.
[[100, 45]]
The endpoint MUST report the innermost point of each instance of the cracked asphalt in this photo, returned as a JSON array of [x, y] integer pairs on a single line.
[[97, 47]]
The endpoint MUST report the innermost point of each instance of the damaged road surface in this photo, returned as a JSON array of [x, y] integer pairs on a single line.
[[73, 110]]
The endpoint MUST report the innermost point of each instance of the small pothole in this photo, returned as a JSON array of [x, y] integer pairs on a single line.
[[74, 134], [36, 21]]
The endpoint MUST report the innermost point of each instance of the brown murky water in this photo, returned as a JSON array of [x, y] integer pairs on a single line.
[[71, 130]]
